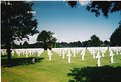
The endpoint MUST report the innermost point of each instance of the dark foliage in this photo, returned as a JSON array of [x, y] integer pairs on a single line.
[[98, 7], [17, 22], [18, 61], [87, 43], [46, 37], [96, 74], [95, 41], [104, 7], [75, 44], [25, 44], [107, 43], [72, 3], [116, 37]]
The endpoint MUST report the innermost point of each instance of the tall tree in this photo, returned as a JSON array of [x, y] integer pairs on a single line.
[[95, 41], [46, 37], [17, 22], [54, 42], [115, 38]]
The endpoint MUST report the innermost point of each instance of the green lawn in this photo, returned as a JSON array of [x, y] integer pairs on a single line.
[[55, 70]]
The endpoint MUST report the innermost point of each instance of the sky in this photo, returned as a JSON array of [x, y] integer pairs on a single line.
[[72, 24]]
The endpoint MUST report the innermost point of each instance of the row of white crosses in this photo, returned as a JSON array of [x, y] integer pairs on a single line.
[[93, 51], [57, 50], [75, 51], [117, 50], [37, 52], [96, 52], [70, 51], [63, 51], [99, 56], [103, 50], [27, 52]]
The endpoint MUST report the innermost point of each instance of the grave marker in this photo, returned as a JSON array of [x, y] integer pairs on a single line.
[[111, 56], [69, 55], [49, 54], [98, 59]]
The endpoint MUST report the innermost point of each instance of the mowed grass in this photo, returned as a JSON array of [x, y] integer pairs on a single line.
[[55, 70]]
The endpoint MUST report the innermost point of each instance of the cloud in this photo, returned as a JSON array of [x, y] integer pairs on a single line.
[[32, 39], [84, 2]]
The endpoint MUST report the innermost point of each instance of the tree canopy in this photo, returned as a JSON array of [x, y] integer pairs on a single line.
[[98, 7], [95, 41], [17, 22], [116, 37], [43, 36], [46, 37]]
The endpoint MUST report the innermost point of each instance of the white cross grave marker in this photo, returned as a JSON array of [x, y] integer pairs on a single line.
[[111, 55], [63, 54], [69, 55], [49, 54], [98, 59]]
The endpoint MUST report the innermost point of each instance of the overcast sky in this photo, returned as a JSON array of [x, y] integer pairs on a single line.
[[72, 24]]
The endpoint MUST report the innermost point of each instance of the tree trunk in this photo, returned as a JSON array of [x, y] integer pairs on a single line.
[[45, 46], [8, 47], [9, 55]]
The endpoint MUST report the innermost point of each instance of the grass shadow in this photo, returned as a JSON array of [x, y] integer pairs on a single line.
[[96, 74], [19, 61]]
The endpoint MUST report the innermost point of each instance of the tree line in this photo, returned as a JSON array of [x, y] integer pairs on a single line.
[[44, 41]]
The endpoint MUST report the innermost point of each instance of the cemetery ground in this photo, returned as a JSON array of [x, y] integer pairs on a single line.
[[59, 70]]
